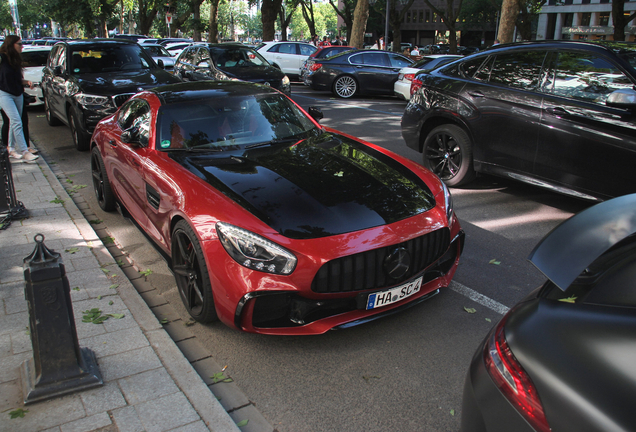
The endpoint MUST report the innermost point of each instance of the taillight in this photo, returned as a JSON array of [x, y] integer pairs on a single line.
[[408, 77], [416, 84], [512, 379], [315, 66]]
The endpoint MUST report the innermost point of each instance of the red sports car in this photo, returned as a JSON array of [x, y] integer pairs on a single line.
[[274, 223]]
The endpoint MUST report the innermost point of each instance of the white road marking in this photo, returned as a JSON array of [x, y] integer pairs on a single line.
[[479, 298]]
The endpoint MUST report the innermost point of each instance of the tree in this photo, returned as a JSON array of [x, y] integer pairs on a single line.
[[396, 18], [348, 8], [285, 18], [307, 8], [360, 17], [269, 12], [146, 13], [528, 12], [509, 12], [620, 19], [449, 18]]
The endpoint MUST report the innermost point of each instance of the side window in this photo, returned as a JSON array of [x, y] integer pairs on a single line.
[[520, 70], [204, 58], [399, 61], [375, 59], [287, 48], [307, 50], [53, 57], [470, 67], [356, 59], [274, 48], [585, 76], [190, 55], [61, 61]]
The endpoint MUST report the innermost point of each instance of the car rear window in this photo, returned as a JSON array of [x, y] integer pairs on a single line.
[[34, 58]]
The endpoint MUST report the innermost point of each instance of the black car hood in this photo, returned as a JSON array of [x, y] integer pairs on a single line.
[[112, 83], [255, 74], [568, 249], [320, 186]]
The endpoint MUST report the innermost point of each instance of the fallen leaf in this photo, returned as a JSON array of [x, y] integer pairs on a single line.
[[243, 423], [470, 310], [18, 413], [494, 261]]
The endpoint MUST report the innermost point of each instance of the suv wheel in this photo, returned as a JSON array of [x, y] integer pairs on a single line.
[[448, 153], [80, 139]]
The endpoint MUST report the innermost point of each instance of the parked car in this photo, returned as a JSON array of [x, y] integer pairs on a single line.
[[87, 80], [274, 224], [160, 55], [364, 71], [34, 58], [556, 114], [320, 53], [464, 50], [287, 56], [132, 37], [402, 87], [227, 61], [175, 48], [562, 359]]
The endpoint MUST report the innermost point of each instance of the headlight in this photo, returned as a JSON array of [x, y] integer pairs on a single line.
[[285, 80], [88, 99], [448, 201], [255, 252]]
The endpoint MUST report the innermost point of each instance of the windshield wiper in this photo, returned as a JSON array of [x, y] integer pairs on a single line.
[[274, 141]]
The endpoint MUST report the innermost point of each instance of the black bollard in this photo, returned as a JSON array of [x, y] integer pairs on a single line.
[[59, 366], [10, 207]]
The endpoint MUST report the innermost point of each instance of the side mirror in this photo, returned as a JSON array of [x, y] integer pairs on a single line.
[[160, 64], [623, 98], [315, 113], [58, 71], [130, 136]]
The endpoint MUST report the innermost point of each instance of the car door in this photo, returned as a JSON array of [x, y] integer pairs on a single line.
[[505, 92], [125, 161], [56, 82], [584, 143], [286, 56]]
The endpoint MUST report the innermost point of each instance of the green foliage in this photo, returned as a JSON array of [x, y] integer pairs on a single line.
[[326, 23], [18, 413]]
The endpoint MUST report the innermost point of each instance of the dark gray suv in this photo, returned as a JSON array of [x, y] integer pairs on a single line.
[[558, 114], [87, 80]]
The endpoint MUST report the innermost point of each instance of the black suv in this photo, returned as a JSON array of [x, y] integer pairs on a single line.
[[227, 61], [558, 114], [87, 80]]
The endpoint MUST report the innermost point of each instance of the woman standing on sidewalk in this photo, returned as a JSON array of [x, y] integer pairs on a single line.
[[11, 98]]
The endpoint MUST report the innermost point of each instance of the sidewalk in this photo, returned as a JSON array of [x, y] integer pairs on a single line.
[[148, 383]]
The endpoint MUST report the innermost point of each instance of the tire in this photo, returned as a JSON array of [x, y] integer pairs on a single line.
[[50, 117], [101, 184], [191, 274], [448, 153], [80, 140], [345, 86]]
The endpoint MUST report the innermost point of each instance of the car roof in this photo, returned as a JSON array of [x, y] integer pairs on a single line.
[[98, 41], [199, 90], [613, 46]]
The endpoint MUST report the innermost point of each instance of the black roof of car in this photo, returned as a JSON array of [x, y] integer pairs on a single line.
[[199, 90], [616, 47]]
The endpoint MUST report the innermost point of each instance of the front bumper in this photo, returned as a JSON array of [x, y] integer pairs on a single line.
[[288, 312]]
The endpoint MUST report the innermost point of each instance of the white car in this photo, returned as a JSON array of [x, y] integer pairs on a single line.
[[402, 87], [34, 58], [287, 56], [176, 48]]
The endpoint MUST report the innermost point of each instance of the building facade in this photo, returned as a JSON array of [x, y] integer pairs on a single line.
[[582, 20]]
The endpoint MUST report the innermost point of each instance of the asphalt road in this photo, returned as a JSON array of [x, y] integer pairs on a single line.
[[401, 373]]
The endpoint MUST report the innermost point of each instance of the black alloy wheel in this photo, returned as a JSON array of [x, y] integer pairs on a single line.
[[50, 118], [448, 153], [101, 184], [191, 274]]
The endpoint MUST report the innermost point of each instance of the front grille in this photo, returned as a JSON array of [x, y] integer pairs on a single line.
[[119, 99], [365, 271]]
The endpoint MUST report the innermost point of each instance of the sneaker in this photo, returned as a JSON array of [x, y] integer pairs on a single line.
[[14, 154], [33, 150], [29, 156]]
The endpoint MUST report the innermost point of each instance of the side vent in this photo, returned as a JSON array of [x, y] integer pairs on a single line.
[[153, 197]]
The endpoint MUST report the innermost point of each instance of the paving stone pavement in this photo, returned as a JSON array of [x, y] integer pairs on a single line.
[[149, 385]]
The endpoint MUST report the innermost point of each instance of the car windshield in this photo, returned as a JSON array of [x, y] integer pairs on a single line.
[[236, 57], [34, 58], [157, 51], [229, 122], [108, 58]]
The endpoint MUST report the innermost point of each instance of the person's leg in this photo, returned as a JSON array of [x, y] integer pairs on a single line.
[[12, 107], [25, 120], [5, 129]]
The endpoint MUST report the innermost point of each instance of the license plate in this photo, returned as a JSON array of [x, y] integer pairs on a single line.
[[393, 295]]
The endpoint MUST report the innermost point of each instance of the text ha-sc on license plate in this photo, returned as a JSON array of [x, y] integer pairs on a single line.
[[394, 295]]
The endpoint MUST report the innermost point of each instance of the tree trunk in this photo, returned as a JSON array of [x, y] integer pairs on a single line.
[[620, 20], [308, 15], [360, 17], [269, 12], [213, 31], [196, 17], [509, 12], [145, 16]]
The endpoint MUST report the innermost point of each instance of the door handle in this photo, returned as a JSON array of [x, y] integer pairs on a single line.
[[476, 94], [557, 111]]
